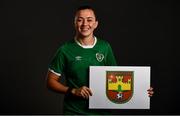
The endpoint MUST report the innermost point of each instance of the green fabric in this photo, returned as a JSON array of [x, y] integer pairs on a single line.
[[73, 61]]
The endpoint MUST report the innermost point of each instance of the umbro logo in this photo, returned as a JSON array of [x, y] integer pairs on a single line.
[[78, 58]]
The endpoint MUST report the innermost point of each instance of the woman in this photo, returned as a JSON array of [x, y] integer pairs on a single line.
[[73, 60]]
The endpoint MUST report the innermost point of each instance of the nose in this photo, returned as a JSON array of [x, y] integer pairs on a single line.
[[85, 22]]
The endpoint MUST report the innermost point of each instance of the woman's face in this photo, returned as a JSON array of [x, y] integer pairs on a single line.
[[85, 23]]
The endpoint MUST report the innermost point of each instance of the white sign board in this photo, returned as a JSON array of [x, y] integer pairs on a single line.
[[119, 87]]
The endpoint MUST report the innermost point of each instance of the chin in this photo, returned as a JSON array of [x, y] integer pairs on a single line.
[[85, 34]]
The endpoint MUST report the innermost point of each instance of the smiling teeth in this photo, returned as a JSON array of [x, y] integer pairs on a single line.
[[85, 29]]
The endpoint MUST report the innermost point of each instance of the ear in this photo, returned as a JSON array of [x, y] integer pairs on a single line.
[[96, 24]]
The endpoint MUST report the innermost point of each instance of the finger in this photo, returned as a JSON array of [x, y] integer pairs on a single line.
[[150, 95], [89, 91], [150, 89], [84, 94], [151, 92]]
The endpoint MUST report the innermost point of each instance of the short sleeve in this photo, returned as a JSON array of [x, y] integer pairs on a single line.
[[57, 63], [110, 60]]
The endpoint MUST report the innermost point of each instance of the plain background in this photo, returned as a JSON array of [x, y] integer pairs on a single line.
[[141, 33]]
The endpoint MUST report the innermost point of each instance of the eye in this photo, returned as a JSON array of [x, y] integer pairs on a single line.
[[79, 20], [89, 20]]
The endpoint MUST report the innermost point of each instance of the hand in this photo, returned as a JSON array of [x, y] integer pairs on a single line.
[[83, 91], [150, 92]]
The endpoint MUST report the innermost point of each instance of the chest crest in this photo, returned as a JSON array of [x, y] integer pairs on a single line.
[[99, 57]]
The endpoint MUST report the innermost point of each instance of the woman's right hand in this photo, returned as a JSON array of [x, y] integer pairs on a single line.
[[83, 91]]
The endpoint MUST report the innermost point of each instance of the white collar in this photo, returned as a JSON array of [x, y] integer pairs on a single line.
[[86, 46]]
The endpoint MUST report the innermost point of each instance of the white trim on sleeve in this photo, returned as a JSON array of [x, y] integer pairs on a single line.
[[58, 74]]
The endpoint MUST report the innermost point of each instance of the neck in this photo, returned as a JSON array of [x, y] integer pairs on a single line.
[[89, 40]]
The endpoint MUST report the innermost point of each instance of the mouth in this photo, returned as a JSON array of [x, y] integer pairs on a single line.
[[84, 29]]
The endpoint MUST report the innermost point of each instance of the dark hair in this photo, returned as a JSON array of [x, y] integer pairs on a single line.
[[83, 7]]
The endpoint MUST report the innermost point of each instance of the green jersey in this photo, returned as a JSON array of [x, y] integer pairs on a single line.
[[73, 60]]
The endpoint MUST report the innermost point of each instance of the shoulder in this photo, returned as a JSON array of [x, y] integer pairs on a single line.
[[65, 46], [102, 42]]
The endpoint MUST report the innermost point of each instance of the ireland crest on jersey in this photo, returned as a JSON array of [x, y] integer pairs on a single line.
[[99, 57], [119, 86]]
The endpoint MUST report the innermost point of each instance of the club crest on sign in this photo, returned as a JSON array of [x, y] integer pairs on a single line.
[[119, 86]]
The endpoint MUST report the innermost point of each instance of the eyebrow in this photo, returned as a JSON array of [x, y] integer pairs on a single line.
[[87, 17]]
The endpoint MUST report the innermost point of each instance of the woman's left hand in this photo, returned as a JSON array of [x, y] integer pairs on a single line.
[[150, 92]]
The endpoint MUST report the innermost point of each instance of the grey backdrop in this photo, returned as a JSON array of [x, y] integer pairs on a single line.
[[139, 31]]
